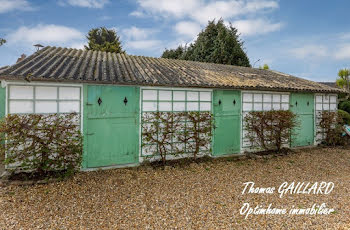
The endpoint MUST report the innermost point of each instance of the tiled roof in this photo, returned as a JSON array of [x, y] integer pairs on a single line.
[[3, 68], [330, 84], [73, 65]]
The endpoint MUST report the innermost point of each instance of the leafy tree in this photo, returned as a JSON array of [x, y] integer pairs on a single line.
[[265, 66], [103, 39], [217, 43], [343, 80], [345, 116], [174, 53], [2, 41], [345, 105]]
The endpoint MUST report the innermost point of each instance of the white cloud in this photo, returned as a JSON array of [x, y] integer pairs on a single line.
[[310, 51], [105, 18], [138, 14], [202, 11], [256, 26], [140, 38], [187, 28], [136, 33], [85, 3], [192, 15], [217, 10], [253, 6], [144, 44], [46, 34], [344, 36], [178, 8], [343, 52], [77, 45], [11, 5]]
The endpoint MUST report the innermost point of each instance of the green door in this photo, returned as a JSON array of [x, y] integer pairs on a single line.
[[112, 125], [302, 104], [227, 108]]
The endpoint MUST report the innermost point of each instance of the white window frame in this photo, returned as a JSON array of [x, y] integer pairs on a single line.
[[33, 100], [6, 84]]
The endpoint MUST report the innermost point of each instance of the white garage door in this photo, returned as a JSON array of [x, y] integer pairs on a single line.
[[164, 100], [261, 101], [324, 102]]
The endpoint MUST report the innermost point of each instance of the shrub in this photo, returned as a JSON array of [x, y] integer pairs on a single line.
[[345, 116], [269, 129], [158, 129], [331, 129], [345, 105], [170, 132], [41, 143], [197, 135]]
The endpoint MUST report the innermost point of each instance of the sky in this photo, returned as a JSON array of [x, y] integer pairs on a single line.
[[308, 39]]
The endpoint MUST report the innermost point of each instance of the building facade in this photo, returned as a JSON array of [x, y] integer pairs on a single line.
[[112, 93]]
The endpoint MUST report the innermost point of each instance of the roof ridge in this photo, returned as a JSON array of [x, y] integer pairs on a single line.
[[134, 55]]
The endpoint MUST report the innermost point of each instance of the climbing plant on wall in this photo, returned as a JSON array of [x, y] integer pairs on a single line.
[[175, 133], [197, 135], [158, 130], [41, 142], [269, 130]]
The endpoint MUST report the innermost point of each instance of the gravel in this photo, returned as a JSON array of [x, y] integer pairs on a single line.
[[197, 196]]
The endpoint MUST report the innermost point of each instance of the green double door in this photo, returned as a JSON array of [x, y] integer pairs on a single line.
[[227, 131], [112, 125], [302, 104]]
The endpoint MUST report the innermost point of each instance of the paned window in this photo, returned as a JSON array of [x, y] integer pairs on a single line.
[[43, 99]]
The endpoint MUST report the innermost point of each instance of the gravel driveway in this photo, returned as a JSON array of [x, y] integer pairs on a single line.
[[198, 196]]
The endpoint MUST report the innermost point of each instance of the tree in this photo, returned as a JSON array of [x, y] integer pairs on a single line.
[[103, 39], [174, 53], [343, 80], [2, 41], [217, 43], [265, 66]]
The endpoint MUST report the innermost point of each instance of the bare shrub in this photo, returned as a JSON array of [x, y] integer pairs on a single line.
[[190, 129], [331, 129], [42, 143], [198, 133], [269, 129], [158, 129]]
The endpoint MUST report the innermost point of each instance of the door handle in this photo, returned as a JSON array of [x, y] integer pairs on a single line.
[[88, 134]]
